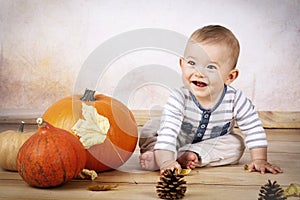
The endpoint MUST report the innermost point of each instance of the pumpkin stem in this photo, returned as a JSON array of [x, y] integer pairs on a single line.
[[21, 127], [88, 95]]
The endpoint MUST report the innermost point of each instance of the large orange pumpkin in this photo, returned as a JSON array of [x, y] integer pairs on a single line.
[[120, 139], [50, 157]]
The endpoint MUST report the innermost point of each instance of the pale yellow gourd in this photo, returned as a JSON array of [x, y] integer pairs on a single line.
[[10, 143]]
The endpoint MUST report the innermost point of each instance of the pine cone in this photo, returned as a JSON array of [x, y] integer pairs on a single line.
[[171, 185], [271, 191]]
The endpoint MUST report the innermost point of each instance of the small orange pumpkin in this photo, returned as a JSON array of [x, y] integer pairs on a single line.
[[50, 157], [10, 143], [120, 139]]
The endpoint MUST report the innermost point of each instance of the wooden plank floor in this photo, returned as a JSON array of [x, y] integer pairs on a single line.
[[227, 182]]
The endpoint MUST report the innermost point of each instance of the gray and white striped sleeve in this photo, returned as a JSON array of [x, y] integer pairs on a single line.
[[248, 121], [171, 121]]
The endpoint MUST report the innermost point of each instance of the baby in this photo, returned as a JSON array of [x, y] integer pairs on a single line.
[[196, 126]]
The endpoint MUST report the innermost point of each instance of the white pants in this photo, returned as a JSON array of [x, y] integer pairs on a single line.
[[223, 150]]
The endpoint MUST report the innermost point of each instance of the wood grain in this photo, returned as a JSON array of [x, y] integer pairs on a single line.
[[226, 182]]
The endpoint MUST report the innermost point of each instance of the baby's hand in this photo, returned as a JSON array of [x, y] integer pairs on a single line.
[[263, 166], [171, 164]]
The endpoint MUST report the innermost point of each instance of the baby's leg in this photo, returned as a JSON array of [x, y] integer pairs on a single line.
[[147, 141], [223, 150], [147, 161], [188, 159], [148, 135]]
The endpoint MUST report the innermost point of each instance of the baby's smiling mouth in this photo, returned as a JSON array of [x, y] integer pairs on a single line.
[[199, 83]]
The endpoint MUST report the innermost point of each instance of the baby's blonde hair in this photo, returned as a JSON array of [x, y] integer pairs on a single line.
[[216, 34]]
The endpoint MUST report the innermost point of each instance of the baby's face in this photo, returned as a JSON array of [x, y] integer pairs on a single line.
[[205, 69]]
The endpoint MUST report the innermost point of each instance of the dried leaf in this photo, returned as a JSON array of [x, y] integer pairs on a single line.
[[292, 191], [93, 128], [102, 187], [86, 174], [184, 171]]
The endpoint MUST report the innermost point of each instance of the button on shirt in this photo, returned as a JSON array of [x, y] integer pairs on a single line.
[[202, 127]]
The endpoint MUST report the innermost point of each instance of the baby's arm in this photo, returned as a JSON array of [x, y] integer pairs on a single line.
[[260, 163], [165, 160]]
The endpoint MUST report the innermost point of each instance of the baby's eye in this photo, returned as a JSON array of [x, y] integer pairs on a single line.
[[190, 62], [211, 67]]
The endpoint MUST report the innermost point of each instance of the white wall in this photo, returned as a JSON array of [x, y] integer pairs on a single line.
[[44, 45]]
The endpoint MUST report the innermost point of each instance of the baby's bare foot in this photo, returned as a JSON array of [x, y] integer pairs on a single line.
[[188, 159], [147, 161]]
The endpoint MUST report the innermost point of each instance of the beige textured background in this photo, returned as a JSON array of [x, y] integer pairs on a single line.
[[45, 43]]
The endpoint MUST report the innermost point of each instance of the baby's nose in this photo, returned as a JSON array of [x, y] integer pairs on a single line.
[[200, 71]]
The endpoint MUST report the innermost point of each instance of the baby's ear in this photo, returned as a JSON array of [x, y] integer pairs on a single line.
[[181, 61], [232, 76]]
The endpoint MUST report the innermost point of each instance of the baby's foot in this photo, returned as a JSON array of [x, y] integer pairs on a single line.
[[147, 161], [188, 159]]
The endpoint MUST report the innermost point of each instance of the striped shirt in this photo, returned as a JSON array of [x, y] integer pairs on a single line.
[[184, 121]]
